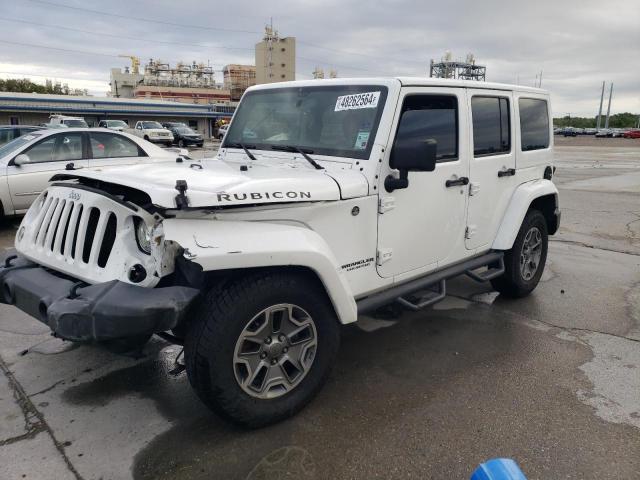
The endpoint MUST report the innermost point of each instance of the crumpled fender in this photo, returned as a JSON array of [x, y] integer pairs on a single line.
[[518, 206], [219, 245]]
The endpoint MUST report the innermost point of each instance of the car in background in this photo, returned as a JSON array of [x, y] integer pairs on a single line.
[[558, 131], [222, 131], [617, 132], [633, 133], [152, 132], [604, 132], [27, 163], [10, 132], [590, 131], [579, 131], [117, 125], [184, 137], [569, 132], [70, 122], [170, 125]]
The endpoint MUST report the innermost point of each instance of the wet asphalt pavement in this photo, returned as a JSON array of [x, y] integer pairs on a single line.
[[552, 381]]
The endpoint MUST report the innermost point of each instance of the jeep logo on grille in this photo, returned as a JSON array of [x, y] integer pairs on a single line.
[[74, 195]]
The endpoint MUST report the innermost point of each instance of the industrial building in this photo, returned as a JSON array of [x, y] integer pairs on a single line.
[[35, 109], [275, 58], [237, 78], [184, 82]]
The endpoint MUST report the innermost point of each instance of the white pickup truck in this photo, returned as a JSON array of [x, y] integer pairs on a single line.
[[327, 200], [152, 132]]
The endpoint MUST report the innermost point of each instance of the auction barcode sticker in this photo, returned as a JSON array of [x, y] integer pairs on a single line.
[[358, 100]]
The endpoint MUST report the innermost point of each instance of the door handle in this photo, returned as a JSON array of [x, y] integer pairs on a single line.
[[507, 172], [457, 182]]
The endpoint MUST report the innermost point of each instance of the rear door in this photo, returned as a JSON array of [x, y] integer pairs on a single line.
[[493, 163], [106, 149], [47, 157]]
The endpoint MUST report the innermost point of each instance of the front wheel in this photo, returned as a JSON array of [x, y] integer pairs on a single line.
[[181, 143], [524, 263], [261, 347]]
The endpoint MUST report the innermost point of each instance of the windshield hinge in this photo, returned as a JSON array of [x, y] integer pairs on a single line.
[[384, 255]]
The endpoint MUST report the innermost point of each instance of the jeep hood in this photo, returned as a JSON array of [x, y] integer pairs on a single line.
[[214, 182]]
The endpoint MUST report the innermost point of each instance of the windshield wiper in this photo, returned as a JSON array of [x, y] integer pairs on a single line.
[[303, 152], [244, 147]]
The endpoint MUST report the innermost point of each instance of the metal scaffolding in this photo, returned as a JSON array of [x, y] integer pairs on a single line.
[[456, 69]]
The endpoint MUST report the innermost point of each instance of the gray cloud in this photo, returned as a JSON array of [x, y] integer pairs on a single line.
[[576, 44]]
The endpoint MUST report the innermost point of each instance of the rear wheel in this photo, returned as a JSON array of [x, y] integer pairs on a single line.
[[260, 348], [524, 263]]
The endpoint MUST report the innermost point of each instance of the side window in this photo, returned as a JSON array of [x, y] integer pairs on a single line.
[[106, 145], [431, 117], [57, 148], [534, 124], [491, 125]]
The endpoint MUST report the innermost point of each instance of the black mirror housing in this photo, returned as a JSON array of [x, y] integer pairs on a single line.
[[414, 155], [410, 155]]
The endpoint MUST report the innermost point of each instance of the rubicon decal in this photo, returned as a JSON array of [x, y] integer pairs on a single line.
[[254, 196]]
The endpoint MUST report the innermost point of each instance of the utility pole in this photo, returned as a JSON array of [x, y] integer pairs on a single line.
[[606, 122], [600, 111]]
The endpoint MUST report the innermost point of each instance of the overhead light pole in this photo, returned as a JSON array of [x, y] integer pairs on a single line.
[[600, 111], [606, 122]]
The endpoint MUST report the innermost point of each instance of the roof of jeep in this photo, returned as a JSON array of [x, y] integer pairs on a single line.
[[404, 81]]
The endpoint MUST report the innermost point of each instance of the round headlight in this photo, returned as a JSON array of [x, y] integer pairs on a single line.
[[143, 236]]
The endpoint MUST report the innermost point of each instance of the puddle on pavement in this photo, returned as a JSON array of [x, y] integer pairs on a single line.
[[153, 378]]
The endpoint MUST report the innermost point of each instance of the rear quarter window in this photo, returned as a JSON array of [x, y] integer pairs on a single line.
[[534, 124]]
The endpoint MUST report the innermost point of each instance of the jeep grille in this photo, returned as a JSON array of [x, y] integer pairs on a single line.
[[82, 233]]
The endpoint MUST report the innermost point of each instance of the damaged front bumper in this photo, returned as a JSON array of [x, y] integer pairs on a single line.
[[81, 312]]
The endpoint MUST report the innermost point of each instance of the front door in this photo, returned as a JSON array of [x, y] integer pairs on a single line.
[[46, 158], [422, 226], [492, 170]]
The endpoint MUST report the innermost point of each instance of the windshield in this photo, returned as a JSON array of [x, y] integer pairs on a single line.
[[338, 120], [16, 143], [116, 123], [185, 131], [151, 125]]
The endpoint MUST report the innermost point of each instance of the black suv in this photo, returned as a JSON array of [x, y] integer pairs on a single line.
[[184, 136]]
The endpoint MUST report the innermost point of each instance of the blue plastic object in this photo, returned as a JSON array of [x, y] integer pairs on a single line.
[[498, 469]]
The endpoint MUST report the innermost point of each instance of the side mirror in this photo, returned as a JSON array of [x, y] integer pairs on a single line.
[[21, 159], [410, 155]]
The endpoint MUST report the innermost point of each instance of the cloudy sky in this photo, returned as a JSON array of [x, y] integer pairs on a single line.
[[575, 43]]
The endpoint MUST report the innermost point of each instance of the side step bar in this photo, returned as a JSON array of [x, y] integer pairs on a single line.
[[397, 293]]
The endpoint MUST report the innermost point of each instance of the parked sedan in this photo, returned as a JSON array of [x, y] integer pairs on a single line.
[[9, 132], [604, 132], [28, 162], [632, 133], [184, 137]]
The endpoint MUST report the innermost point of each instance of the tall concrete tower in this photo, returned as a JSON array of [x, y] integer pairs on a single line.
[[275, 58]]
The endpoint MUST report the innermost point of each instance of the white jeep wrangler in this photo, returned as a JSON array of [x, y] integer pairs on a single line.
[[327, 200]]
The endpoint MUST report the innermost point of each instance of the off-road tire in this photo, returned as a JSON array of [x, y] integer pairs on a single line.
[[218, 321], [512, 284]]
